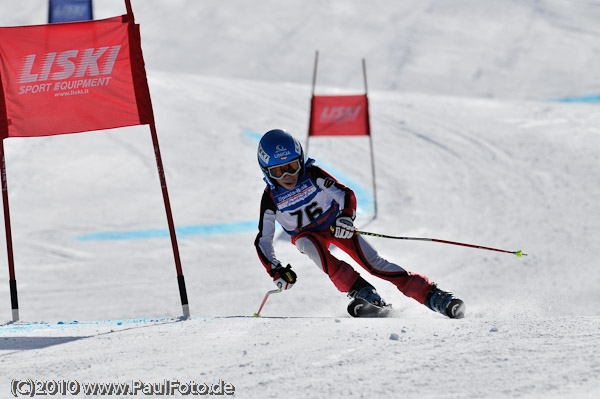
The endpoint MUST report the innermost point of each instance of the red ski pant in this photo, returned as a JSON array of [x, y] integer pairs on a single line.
[[316, 246]]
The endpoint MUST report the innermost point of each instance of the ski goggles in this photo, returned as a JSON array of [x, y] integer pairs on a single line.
[[279, 171]]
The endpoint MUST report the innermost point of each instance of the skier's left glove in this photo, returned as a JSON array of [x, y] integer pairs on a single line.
[[344, 227], [283, 277]]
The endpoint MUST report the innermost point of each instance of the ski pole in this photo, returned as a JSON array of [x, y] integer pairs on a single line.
[[366, 233], [257, 314]]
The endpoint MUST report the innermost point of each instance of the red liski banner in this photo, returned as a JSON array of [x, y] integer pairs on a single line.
[[72, 77], [339, 116]]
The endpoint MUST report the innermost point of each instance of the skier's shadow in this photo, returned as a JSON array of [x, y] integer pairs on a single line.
[[29, 343], [16, 343]]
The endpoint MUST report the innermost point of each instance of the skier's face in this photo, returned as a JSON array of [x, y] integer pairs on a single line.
[[288, 181]]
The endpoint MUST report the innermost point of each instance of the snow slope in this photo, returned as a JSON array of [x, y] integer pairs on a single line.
[[485, 160]]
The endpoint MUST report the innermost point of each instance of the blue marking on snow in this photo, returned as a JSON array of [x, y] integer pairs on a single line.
[[197, 230], [363, 196], [581, 99], [19, 327], [252, 135]]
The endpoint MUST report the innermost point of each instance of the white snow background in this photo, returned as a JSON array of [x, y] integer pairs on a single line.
[[470, 144]]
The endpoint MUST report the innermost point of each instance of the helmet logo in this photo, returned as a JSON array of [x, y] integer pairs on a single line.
[[298, 147], [281, 153], [263, 155]]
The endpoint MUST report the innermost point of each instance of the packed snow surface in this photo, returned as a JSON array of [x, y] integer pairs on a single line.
[[470, 146]]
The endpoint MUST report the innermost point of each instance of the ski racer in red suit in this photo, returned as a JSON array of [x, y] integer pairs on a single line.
[[316, 210]]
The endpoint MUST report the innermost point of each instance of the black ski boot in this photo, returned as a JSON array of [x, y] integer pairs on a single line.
[[445, 303], [367, 303]]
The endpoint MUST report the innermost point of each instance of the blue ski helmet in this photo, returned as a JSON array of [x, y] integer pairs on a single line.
[[278, 147]]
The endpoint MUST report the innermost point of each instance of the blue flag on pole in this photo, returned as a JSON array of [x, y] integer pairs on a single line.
[[70, 11]]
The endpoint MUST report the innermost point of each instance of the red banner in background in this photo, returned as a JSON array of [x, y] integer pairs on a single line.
[[339, 116], [72, 77]]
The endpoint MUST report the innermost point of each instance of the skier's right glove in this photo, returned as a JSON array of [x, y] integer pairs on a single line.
[[283, 277], [344, 227]]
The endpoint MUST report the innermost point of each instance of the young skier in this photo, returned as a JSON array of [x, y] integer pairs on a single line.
[[316, 210]]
